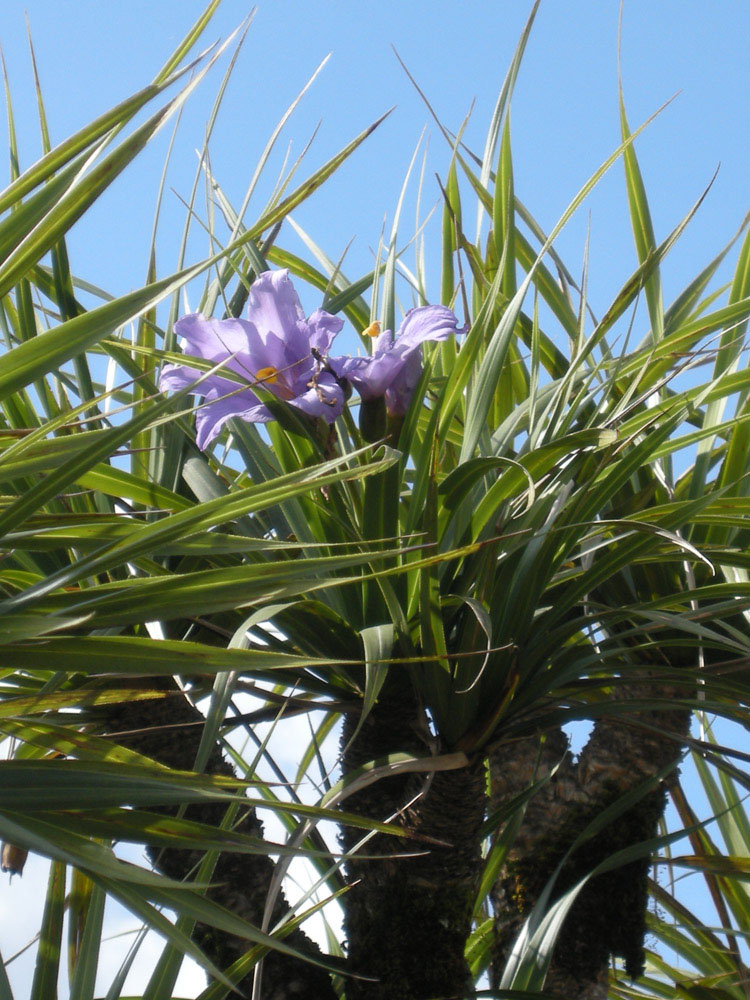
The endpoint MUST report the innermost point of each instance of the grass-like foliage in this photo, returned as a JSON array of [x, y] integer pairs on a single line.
[[544, 523]]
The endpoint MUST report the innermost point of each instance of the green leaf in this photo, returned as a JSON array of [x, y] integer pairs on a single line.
[[47, 967], [83, 979], [643, 230]]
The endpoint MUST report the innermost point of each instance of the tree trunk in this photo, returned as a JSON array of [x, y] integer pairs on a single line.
[[408, 918], [514, 767], [166, 731], [609, 916]]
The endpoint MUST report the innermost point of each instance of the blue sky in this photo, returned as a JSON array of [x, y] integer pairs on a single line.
[[92, 54], [564, 116]]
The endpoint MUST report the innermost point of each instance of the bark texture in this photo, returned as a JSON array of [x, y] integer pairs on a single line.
[[166, 732], [408, 918], [609, 916], [514, 767]]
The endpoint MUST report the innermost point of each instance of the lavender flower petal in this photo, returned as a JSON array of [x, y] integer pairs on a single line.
[[425, 323], [322, 328], [324, 399], [399, 392]]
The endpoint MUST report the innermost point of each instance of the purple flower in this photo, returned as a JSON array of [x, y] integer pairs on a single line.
[[395, 366], [275, 347]]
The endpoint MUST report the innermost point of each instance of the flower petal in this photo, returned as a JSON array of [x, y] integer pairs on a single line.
[[211, 417], [175, 377], [370, 376], [216, 339], [294, 369], [274, 308], [325, 399], [399, 392], [322, 327], [425, 323]]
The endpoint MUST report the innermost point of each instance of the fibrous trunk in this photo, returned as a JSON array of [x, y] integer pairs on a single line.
[[169, 730], [608, 917], [408, 917]]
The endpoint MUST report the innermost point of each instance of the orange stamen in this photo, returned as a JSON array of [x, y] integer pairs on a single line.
[[267, 375]]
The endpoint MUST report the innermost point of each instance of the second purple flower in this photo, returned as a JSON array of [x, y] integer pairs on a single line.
[[395, 366]]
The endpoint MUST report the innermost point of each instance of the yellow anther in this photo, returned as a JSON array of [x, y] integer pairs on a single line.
[[268, 375], [373, 330]]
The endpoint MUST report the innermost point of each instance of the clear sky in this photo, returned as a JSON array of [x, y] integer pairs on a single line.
[[93, 53], [565, 122]]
